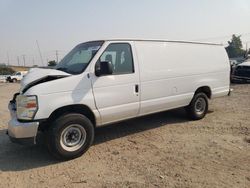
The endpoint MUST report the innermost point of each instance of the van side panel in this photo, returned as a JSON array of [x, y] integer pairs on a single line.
[[171, 72]]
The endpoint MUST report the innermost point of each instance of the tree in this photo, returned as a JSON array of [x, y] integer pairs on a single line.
[[4, 70], [52, 63], [2, 65], [234, 48]]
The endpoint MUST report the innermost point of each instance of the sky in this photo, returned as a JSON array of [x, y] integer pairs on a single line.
[[59, 25]]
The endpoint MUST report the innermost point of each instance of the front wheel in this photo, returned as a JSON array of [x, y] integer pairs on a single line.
[[14, 80], [70, 136], [198, 107]]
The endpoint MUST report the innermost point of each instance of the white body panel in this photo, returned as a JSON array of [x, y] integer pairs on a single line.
[[167, 73], [170, 73]]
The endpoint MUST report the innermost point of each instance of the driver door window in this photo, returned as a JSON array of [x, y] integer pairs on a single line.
[[120, 56]]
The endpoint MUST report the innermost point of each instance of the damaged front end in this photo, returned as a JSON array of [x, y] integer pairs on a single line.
[[22, 128]]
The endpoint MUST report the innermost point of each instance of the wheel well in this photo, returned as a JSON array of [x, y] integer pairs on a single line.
[[81, 109], [206, 90]]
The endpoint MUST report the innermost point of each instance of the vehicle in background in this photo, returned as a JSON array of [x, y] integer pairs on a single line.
[[241, 72], [103, 82], [16, 77]]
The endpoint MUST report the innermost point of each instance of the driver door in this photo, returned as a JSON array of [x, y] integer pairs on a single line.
[[117, 95]]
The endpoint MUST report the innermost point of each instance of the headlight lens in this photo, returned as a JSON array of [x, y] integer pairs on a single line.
[[27, 107]]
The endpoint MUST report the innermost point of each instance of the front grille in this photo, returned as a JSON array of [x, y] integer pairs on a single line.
[[243, 71]]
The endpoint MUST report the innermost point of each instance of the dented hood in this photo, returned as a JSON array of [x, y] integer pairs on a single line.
[[37, 74]]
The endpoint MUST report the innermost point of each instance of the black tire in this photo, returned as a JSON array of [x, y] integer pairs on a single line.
[[59, 135], [198, 107], [14, 80]]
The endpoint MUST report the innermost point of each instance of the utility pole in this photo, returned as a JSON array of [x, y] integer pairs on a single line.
[[18, 61], [56, 56], [33, 61], [24, 60], [247, 50], [8, 58], [39, 52]]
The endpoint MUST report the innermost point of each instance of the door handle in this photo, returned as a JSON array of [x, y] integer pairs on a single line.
[[136, 88]]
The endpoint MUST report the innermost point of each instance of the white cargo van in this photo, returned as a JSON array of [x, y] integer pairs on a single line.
[[102, 82]]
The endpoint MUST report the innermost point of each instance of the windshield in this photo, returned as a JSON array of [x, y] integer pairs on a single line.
[[16, 74], [76, 61]]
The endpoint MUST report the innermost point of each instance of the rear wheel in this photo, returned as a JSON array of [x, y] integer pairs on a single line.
[[198, 107], [70, 136]]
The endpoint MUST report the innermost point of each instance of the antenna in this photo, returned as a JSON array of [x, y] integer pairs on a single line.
[[39, 52]]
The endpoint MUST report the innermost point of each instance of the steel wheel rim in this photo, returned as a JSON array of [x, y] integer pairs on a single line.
[[200, 106], [73, 137]]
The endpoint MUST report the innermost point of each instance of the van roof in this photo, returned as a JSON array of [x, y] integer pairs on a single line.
[[160, 40]]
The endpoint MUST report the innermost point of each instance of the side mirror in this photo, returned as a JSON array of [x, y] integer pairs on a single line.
[[103, 68]]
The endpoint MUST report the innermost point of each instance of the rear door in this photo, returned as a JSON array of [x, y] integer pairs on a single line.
[[117, 95]]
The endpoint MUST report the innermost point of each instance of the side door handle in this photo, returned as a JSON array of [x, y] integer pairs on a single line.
[[136, 88]]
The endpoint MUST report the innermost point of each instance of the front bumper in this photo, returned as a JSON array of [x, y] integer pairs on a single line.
[[21, 132], [240, 78]]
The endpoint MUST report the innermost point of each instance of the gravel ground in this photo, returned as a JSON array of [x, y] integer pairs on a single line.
[[160, 150]]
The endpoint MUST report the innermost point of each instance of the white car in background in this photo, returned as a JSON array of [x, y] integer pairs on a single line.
[[18, 76]]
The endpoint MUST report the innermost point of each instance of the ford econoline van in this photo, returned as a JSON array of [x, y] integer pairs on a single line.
[[106, 81]]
